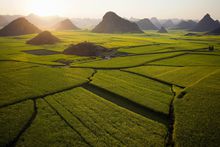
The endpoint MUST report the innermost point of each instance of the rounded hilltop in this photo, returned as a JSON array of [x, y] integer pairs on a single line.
[[20, 26], [112, 23], [44, 38], [66, 24], [87, 49]]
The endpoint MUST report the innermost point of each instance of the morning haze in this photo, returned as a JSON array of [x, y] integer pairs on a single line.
[[109, 73], [186, 9]]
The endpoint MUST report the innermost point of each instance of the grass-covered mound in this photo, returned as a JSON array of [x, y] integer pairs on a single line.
[[87, 49], [44, 38], [20, 26]]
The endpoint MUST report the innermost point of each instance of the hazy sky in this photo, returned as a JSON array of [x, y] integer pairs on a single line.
[[194, 9]]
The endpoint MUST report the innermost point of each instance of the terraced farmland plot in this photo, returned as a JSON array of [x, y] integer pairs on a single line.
[[123, 62], [49, 129], [145, 49], [13, 119], [183, 76], [191, 60], [39, 81], [152, 71], [197, 114], [12, 66], [146, 92], [56, 100], [163, 47], [102, 123]]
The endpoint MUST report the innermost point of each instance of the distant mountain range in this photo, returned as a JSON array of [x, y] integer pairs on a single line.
[[186, 24], [46, 22], [146, 24], [86, 23], [206, 24]]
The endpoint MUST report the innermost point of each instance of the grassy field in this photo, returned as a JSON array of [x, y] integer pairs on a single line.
[[30, 83], [13, 119], [197, 114], [143, 91], [158, 90], [192, 60], [102, 123], [183, 76]]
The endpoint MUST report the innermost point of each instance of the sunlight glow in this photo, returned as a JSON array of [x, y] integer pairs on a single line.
[[45, 7]]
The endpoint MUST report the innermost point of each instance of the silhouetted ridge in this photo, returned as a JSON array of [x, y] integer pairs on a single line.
[[3, 21], [112, 23], [190, 24], [66, 25], [146, 24], [162, 30], [168, 24], [86, 49], [156, 22], [19, 26], [44, 38], [206, 24]]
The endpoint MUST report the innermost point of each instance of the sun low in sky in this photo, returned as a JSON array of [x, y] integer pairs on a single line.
[[128, 8], [45, 7]]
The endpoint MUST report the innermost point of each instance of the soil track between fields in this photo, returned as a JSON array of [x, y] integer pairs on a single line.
[[169, 142]]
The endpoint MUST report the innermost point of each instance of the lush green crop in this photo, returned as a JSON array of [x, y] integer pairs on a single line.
[[152, 71], [197, 114], [39, 81], [143, 91], [10, 66], [48, 129], [123, 62], [13, 119], [184, 76], [71, 100], [191, 60], [102, 123]]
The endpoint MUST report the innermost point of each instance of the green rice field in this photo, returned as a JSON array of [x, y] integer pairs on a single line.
[[157, 90]]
